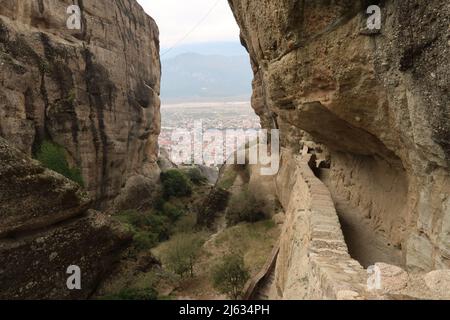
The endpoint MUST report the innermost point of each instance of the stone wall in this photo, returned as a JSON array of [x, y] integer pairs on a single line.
[[313, 262]]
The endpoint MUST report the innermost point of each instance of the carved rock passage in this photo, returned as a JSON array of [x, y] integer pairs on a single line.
[[94, 91], [378, 103], [313, 262], [316, 258]]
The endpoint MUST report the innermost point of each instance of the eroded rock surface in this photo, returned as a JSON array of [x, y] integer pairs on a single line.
[[378, 102], [45, 227], [93, 91]]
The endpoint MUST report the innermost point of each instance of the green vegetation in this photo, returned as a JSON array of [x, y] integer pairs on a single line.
[[153, 227], [196, 176], [216, 202], [244, 207], [72, 96], [182, 253], [148, 229], [254, 240], [9, 61], [133, 294], [44, 67], [230, 276], [186, 224], [53, 157], [175, 184], [173, 212], [228, 178]]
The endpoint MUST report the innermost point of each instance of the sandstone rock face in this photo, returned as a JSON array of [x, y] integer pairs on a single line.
[[45, 227], [32, 197], [378, 101], [94, 91], [439, 281], [393, 278]]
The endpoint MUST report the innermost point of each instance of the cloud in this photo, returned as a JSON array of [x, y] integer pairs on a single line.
[[176, 18]]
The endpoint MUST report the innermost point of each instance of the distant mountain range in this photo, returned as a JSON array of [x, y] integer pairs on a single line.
[[195, 76], [227, 49]]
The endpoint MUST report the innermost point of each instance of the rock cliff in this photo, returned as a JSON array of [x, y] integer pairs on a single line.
[[45, 227], [376, 102], [94, 91]]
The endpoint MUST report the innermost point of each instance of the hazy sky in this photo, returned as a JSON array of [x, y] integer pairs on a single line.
[[176, 18]]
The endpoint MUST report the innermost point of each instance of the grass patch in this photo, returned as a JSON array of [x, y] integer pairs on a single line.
[[53, 157], [254, 241]]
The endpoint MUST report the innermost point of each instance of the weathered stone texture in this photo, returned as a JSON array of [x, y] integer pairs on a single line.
[[377, 101], [94, 91], [45, 227]]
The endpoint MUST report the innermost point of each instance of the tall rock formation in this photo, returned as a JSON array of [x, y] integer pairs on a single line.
[[94, 91], [377, 100], [46, 227]]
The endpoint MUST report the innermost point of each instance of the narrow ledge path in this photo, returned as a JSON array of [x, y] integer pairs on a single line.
[[365, 245]]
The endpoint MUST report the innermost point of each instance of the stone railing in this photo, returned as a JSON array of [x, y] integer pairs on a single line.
[[254, 284], [312, 246], [312, 260], [333, 273]]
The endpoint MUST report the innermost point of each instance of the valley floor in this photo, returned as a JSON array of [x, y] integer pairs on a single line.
[[255, 241]]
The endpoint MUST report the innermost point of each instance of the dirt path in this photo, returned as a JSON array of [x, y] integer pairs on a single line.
[[364, 243]]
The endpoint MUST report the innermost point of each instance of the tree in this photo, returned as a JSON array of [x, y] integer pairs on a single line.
[[196, 176], [175, 184], [244, 207], [183, 252], [231, 276]]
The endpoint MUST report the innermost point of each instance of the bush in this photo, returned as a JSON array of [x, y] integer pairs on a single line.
[[175, 184], [145, 240], [244, 207], [182, 253], [172, 212], [131, 218], [159, 225], [196, 176], [148, 229], [134, 294], [215, 202], [53, 157], [230, 276]]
